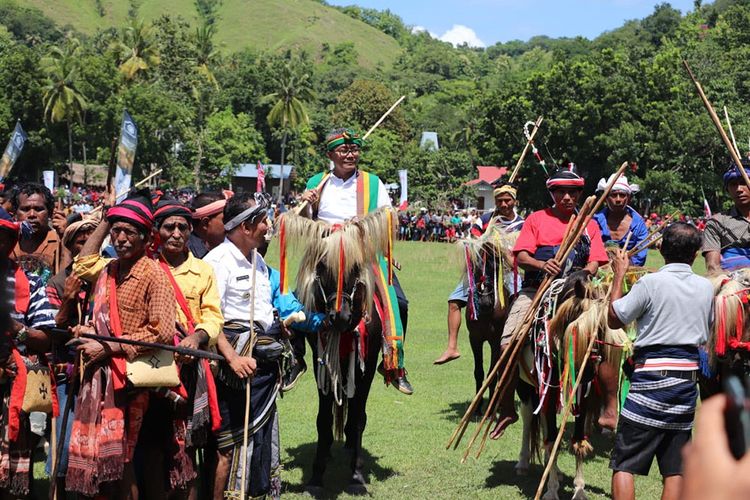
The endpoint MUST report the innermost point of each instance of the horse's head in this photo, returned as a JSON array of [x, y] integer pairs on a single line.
[[341, 298]]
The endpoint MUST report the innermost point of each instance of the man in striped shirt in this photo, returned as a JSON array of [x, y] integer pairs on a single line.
[[672, 309]]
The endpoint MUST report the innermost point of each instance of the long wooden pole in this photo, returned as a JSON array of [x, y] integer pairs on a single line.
[[717, 124], [525, 151], [731, 132], [247, 382], [140, 183], [511, 352]]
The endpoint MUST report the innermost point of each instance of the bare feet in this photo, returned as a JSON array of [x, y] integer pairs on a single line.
[[503, 423], [608, 419], [448, 355]]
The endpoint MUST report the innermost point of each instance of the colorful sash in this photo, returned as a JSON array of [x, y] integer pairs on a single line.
[[393, 331], [734, 258]]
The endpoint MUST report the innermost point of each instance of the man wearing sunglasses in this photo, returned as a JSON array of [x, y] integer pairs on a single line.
[[618, 219]]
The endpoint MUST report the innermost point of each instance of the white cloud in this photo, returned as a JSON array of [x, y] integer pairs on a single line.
[[460, 34]]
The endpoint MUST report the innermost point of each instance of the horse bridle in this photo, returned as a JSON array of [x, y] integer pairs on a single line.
[[329, 298]]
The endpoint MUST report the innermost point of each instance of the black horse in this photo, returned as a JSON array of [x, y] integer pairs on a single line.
[[336, 405]]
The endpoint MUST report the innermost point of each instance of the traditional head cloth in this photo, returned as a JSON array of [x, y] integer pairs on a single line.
[[339, 138], [136, 209], [262, 202], [167, 207], [214, 207], [78, 224], [505, 188], [733, 172], [565, 176], [621, 185]]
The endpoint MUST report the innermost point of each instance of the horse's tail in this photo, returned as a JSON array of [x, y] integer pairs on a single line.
[[535, 438], [339, 418], [729, 316]]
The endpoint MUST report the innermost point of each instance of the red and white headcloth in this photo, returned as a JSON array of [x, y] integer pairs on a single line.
[[621, 186]]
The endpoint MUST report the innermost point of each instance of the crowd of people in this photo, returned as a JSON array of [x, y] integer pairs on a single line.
[[94, 293]]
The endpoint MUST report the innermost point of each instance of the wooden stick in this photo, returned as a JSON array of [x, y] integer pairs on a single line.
[[731, 132], [53, 451], [566, 414], [385, 115], [529, 142], [140, 183], [247, 382], [717, 124]]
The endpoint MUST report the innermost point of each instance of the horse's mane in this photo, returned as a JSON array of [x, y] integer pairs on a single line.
[[360, 239], [494, 237], [729, 309]]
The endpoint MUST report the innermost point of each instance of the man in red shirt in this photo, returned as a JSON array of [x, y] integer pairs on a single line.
[[541, 236]]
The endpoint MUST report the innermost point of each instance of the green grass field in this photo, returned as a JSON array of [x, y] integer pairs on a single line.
[[242, 23], [406, 435]]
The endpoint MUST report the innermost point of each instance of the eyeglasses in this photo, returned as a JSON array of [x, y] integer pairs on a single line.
[[344, 151]]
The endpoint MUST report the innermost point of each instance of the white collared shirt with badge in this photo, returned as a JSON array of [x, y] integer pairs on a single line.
[[338, 200], [234, 281]]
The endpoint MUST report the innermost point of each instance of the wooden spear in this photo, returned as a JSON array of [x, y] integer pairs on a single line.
[[529, 142], [302, 206], [717, 124]]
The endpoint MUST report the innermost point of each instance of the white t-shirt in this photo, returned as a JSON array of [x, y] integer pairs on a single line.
[[234, 281], [338, 200]]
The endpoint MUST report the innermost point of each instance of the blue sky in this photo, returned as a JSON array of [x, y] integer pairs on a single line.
[[485, 22]]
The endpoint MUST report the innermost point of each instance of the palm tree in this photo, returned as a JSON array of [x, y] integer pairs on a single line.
[[138, 50], [294, 88], [62, 100], [206, 54]]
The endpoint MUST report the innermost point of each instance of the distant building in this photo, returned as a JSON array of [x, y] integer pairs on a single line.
[[246, 177], [429, 141], [483, 185]]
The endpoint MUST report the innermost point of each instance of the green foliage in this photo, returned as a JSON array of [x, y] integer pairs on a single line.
[[363, 103], [27, 24], [230, 139]]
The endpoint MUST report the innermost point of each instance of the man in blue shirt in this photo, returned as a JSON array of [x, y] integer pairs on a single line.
[[618, 219]]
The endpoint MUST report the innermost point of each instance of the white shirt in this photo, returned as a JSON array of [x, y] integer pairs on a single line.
[[234, 280], [338, 200]]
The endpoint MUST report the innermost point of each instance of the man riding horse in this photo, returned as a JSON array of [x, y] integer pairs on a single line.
[[542, 233], [348, 192], [505, 215]]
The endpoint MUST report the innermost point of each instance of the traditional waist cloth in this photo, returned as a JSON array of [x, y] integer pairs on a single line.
[[661, 396], [263, 457]]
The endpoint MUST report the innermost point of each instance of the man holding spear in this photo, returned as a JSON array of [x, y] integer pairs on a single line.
[[542, 233], [133, 300], [347, 192]]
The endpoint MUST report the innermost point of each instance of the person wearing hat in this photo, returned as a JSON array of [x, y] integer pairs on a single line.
[[540, 237], [23, 342], [505, 209], [132, 299], [348, 192], [619, 221], [726, 239]]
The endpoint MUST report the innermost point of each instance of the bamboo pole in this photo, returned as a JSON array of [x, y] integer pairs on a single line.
[[731, 132], [525, 151], [140, 183], [511, 352], [247, 382], [717, 124]]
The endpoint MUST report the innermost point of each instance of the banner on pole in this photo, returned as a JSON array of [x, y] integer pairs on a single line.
[[125, 156], [49, 179], [402, 177], [12, 150]]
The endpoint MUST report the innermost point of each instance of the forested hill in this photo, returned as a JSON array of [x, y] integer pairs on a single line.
[[257, 24], [205, 101]]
